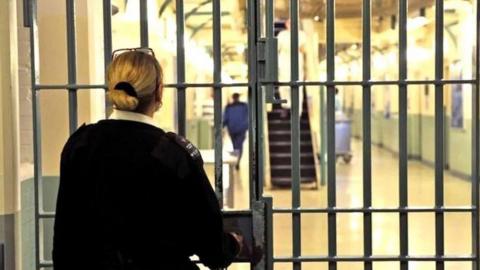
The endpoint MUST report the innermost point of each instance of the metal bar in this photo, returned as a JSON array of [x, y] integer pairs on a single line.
[[271, 52], [331, 189], [476, 148], [104, 86], [369, 83], [220, 85], [252, 90], [439, 134], [181, 95], [458, 209], [27, 15], [375, 259], [45, 264], [72, 65], [367, 130], [258, 34], [72, 87], [204, 13], [269, 17], [269, 234], [37, 147], [403, 155], [143, 23], [107, 34], [217, 78], [260, 231], [2, 256], [295, 131]]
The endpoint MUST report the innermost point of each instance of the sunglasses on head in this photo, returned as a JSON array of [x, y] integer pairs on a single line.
[[140, 49]]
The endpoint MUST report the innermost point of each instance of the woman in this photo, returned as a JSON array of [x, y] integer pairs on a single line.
[[132, 196]]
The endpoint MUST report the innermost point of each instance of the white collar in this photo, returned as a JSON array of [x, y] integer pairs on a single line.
[[132, 116]]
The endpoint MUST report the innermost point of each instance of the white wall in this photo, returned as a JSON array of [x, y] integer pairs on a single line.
[[8, 113]]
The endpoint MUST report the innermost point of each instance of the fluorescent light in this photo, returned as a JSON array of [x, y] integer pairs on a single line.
[[417, 22]]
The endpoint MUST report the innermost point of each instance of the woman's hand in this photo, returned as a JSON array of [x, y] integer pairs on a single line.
[[239, 238]]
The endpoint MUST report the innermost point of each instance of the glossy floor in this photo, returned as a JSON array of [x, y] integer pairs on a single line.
[[385, 235]]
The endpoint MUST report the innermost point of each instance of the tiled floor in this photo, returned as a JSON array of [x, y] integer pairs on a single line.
[[385, 225]]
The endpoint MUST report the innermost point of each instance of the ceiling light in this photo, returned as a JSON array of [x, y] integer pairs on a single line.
[[416, 22], [316, 18]]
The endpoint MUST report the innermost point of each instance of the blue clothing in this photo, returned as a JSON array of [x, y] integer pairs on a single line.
[[236, 117]]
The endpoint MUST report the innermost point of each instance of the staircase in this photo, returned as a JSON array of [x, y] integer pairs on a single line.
[[280, 147]]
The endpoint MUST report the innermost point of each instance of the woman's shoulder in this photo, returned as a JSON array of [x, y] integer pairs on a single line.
[[177, 153], [76, 140]]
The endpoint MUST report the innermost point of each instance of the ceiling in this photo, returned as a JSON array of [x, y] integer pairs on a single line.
[[348, 8], [348, 13]]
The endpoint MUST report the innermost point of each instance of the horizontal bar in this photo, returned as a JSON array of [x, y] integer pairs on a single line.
[[375, 210], [213, 85], [47, 215], [45, 264], [372, 258], [103, 86], [309, 83], [368, 83], [69, 86]]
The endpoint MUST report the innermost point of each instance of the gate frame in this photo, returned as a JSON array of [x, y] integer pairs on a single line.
[[256, 137]]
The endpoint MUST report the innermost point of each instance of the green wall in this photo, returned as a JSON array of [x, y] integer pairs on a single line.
[[421, 139], [50, 188], [200, 133], [459, 150], [385, 131]]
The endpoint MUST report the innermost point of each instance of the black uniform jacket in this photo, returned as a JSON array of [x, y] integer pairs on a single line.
[[131, 197]]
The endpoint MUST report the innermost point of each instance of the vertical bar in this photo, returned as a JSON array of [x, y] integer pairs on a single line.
[[143, 23], [72, 65], [271, 53], [267, 90], [2, 257], [295, 132], [37, 149], [217, 78], [331, 170], [367, 130], [107, 33], [439, 133], [27, 16], [252, 98], [476, 149], [269, 10], [181, 98], [403, 162], [258, 32], [269, 234], [107, 42]]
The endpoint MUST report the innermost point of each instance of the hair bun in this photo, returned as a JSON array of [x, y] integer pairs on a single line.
[[127, 87]]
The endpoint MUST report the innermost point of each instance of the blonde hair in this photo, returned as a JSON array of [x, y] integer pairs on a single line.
[[140, 70]]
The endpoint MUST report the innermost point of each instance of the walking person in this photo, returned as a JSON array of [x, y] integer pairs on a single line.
[[131, 196], [236, 120]]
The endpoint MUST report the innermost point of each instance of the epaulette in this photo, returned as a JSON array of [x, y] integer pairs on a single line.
[[192, 151]]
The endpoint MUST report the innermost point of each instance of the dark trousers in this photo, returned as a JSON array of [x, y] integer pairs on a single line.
[[237, 141]]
